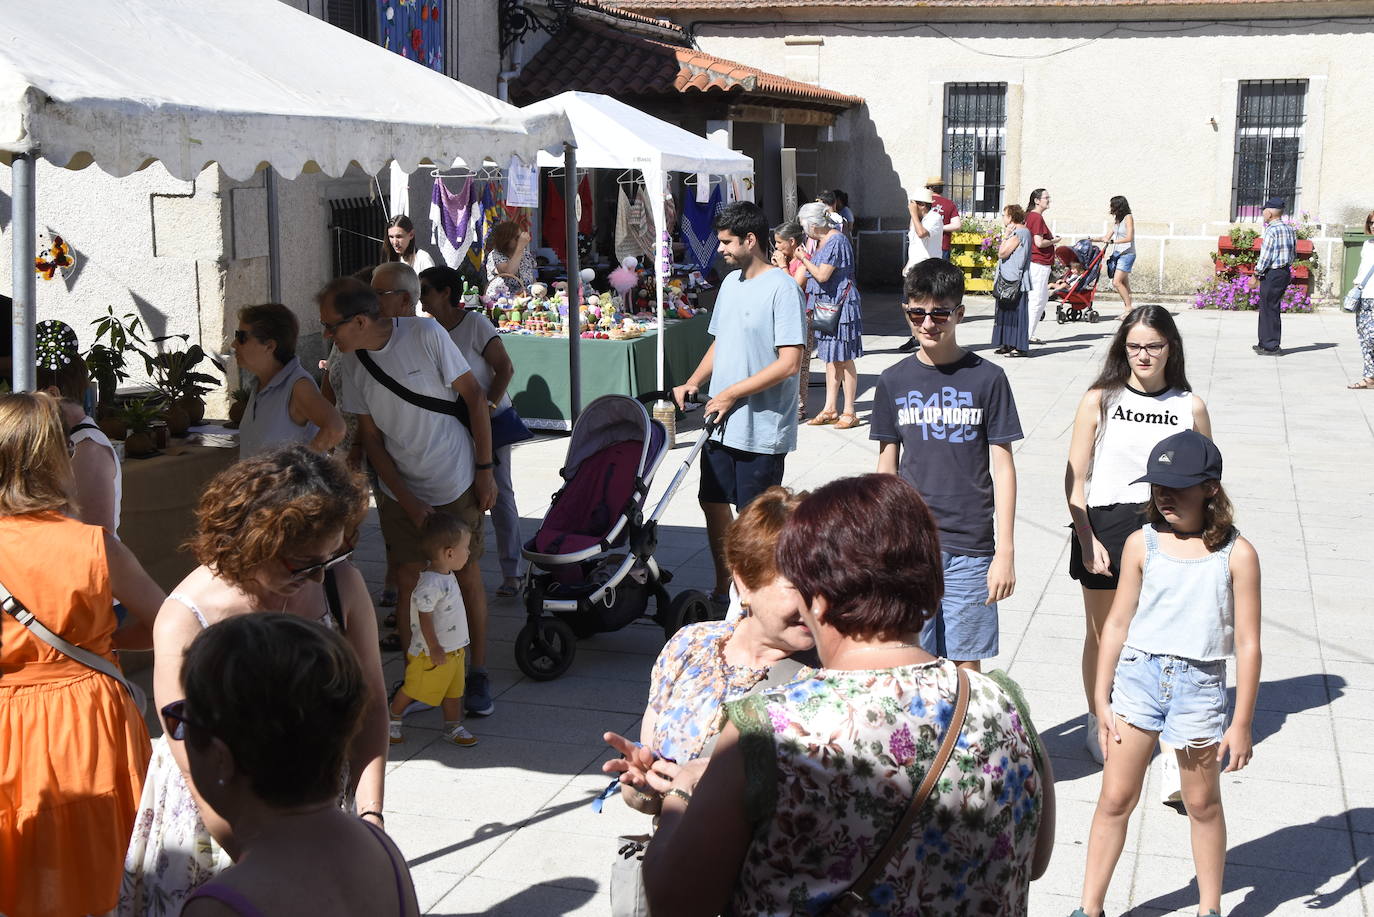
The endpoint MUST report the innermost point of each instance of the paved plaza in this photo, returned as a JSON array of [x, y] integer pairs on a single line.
[[506, 827]]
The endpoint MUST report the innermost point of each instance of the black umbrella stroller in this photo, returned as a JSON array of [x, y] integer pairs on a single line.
[[592, 568]]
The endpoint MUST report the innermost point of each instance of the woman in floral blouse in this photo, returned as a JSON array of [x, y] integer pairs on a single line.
[[705, 665], [807, 781]]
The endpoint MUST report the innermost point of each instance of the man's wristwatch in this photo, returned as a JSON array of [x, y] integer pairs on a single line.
[[485, 466]]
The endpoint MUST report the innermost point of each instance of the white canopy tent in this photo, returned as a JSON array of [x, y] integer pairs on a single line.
[[613, 135], [247, 84]]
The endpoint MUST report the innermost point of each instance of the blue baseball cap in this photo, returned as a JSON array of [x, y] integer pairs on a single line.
[[1274, 203], [1182, 460]]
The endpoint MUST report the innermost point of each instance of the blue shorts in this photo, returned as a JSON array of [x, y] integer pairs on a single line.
[[1184, 700], [1126, 262], [964, 629], [735, 476]]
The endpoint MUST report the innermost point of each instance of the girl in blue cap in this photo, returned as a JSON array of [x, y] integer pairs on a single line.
[[1189, 597]]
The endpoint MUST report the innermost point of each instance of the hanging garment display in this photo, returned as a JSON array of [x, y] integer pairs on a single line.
[[639, 223], [625, 245], [698, 237], [450, 216]]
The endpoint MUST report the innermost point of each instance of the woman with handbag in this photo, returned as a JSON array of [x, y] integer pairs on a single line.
[[883, 780], [1363, 306], [441, 291], [1011, 289], [75, 746], [1122, 259], [836, 318]]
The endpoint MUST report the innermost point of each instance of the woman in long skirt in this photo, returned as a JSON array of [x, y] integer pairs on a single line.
[[1011, 327]]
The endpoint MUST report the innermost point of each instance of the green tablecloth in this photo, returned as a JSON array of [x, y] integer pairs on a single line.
[[540, 386]]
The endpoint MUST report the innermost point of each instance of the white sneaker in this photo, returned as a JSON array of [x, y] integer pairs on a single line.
[[1170, 788], [1090, 739], [395, 735]]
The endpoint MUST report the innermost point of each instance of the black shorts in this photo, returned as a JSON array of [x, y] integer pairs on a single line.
[[735, 476], [1112, 525]]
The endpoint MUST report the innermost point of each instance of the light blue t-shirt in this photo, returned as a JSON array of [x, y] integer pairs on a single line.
[[751, 320]]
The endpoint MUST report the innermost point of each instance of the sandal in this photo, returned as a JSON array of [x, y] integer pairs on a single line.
[[391, 643], [389, 620], [508, 588], [1363, 383], [847, 422], [823, 418]]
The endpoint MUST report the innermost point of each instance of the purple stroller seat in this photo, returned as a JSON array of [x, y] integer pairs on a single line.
[[593, 501]]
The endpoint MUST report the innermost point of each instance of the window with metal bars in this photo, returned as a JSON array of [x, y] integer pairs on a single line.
[[359, 227], [1269, 123], [356, 16], [974, 145]]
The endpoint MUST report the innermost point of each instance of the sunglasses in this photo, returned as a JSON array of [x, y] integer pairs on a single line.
[[1154, 349], [241, 337], [938, 316], [331, 327], [312, 570], [174, 721]]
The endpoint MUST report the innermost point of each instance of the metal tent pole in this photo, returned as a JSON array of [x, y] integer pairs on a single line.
[[574, 280], [23, 237]]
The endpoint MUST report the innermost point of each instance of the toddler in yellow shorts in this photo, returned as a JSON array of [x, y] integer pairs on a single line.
[[439, 631]]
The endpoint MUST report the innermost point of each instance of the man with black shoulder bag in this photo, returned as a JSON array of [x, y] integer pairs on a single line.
[[424, 427]]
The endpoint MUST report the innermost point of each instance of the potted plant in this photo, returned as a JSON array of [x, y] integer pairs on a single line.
[[138, 417], [239, 403], [116, 338], [175, 374]]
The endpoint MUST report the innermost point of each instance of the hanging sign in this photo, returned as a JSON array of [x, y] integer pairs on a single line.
[[522, 184]]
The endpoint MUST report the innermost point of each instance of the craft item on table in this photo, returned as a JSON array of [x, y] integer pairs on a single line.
[[699, 238], [665, 253], [539, 292], [625, 277], [450, 218]]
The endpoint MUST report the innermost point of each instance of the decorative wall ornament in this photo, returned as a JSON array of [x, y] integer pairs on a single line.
[[517, 20], [56, 256]]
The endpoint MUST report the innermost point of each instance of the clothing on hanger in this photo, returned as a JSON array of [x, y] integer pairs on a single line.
[[697, 234], [625, 245], [450, 219]]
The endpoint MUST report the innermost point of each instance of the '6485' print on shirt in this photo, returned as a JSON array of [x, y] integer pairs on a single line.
[[948, 414]]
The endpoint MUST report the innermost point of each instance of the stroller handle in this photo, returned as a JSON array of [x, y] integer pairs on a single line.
[[711, 421]]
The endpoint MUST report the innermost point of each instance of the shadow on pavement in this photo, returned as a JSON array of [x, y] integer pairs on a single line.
[[539, 899], [492, 829], [1271, 888], [1324, 345]]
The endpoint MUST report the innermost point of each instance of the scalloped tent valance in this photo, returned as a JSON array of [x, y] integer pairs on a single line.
[[241, 83]]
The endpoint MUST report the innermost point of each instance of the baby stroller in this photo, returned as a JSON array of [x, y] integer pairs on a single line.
[[1083, 263], [573, 575]]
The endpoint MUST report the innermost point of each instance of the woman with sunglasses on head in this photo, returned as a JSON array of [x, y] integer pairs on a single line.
[[286, 405], [75, 748], [1141, 396], [271, 535], [272, 771]]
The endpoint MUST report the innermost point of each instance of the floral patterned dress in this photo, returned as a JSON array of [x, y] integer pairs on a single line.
[[690, 685], [831, 762]]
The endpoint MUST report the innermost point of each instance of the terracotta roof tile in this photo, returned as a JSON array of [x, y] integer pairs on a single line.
[[591, 57]]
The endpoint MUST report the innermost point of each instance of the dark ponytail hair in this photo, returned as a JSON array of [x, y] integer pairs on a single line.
[[1119, 207], [1035, 196], [389, 252]]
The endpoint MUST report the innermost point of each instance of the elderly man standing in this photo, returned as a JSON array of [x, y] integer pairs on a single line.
[[398, 289], [759, 325], [426, 460], [1274, 270]]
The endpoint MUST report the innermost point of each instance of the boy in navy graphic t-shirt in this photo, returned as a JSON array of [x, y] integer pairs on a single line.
[[946, 419]]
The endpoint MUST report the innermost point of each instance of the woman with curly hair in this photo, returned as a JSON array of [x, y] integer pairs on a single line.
[[272, 536]]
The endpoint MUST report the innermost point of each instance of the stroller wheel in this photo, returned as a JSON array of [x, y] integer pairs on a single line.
[[1059, 315], [690, 607], [1092, 315], [544, 648]]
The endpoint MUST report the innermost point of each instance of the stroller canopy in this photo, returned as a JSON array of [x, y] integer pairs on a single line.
[[608, 420]]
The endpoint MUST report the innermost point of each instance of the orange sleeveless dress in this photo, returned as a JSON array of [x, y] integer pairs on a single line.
[[73, 747]]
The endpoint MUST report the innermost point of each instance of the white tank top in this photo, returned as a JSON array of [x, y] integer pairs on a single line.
[[1133, 423], [93, 432], [1186, 607]]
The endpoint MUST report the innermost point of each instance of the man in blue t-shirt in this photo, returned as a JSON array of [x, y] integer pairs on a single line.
[[946, 419], [759, 326]]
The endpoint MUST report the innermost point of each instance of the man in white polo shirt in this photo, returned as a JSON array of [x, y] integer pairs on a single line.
[[424, 459]]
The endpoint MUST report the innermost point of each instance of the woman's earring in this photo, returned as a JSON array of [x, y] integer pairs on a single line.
[[744, 607]]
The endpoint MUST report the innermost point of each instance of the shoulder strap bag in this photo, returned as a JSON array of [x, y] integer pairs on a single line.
[[15, 609], [506, 427], [1352, 298], [825, 311], [854, 902]]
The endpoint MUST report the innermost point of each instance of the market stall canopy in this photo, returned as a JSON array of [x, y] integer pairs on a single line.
[[241, 83], [613, 135]]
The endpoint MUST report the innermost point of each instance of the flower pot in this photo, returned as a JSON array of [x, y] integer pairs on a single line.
[[139, 444], [977, 283], [236, 411], [194, 407], [113, 427], [178, 421], [965, 238]]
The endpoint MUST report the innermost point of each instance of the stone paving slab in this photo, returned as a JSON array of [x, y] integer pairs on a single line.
[[505, 827]]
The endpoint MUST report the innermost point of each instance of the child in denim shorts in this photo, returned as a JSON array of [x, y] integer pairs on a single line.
[[1188, 598]]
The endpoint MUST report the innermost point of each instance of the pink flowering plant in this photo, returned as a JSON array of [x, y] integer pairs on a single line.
[[1241, 294]]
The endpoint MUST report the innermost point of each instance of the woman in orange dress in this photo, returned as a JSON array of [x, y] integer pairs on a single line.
[[75, 746]]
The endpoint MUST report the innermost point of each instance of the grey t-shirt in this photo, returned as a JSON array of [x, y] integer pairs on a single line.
[[945, 417], [751, 320]]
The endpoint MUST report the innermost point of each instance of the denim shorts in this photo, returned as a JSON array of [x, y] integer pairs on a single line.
[[1184, 700], [964, 629], [1126, 262]]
